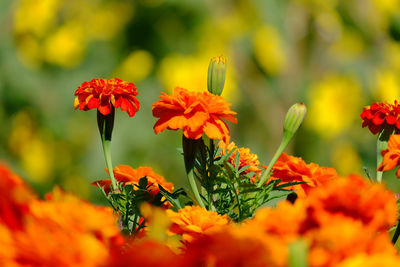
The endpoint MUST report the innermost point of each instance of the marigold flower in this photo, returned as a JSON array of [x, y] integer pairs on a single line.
[[127, 175], [275, 221], [194, 221], [145, 253], [105, 93], [15, 197], [379, 116], [391, 156], [246, 159], [66, 231], [237, 246], [354, 198], [195, 113], [343, 238], [294, 169]]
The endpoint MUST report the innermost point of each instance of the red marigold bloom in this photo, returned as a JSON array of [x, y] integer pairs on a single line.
[[391, 156], [195, 113], [381, 115], [105, 93], [294, 169], [128, 175]]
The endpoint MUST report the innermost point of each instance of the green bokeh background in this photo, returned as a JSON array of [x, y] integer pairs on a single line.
[[335, 56]]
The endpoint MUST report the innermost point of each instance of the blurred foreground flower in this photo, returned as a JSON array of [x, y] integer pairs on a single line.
[[195, 113], [194, 221]]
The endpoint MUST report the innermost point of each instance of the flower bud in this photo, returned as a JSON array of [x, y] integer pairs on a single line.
[[216, 75], [294, 118]]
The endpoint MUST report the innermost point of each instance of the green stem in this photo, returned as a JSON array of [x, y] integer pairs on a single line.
[[107, 157], [105, 124], [381, 144], [396, 233], [193, 186], [267, 173], [190, 148]]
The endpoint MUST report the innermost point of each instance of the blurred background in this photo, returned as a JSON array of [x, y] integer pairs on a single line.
[[334, 55]]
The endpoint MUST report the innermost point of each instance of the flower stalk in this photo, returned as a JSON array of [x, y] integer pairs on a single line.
[[106, 125], [294, 118], [190, 148], [381, 144]]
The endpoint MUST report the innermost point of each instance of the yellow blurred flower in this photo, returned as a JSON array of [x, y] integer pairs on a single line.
[[35, 17], [348, 47], [386, 86], [35, 150], [136, 67], [65, 47], [345, 159], [334, 105], [191, 72], [267, 45], [106, 21]]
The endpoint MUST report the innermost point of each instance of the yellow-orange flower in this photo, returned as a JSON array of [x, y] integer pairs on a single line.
[[246, 159], [293, 169], [391, 156], [128, 175], [194, 221], [355, 198], [195, 113], [105, 93]]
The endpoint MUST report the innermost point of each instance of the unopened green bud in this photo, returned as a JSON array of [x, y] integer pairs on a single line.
[[294, 118], [216, 75]]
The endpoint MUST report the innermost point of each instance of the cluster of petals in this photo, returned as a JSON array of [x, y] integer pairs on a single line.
[[293, 169], [196, 113], [355, 198], [246, 159], [194, 221], [391, 156], [61, 230], [381, 116], [127, 175], [104, 94]]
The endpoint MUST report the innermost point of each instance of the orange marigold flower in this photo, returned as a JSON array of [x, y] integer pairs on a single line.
[[379, 116], [293, 169], [66, 231], [355, 198], [377, 259], [127, 175], [345, 238], [195, 113], [105, 93], [15, 197], [391, 156], [237, 246], [145, 253], [194, 221], [246, 159], [284, 221]]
